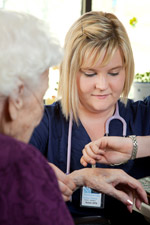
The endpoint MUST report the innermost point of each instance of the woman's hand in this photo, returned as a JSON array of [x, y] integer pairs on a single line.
[[107, 150], [66, 184], [114, 182]]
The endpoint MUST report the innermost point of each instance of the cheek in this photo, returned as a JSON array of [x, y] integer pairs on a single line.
[[118, 84], [37, 112], [84, 85], [38, 115], [40, 109]]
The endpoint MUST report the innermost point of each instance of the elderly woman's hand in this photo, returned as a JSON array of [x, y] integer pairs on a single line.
[[66, 184], [113, 182], [107, 150]]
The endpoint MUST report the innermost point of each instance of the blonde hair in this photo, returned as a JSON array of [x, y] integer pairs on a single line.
[[94, 32]]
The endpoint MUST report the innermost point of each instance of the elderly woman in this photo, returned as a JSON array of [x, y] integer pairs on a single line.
[[29, 192]]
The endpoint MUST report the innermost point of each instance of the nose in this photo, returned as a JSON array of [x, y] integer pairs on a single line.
[[102, 82]]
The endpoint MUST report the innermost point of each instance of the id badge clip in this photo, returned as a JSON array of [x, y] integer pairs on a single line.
[[91, 198]]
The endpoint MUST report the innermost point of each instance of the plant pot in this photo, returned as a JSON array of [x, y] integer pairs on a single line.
[[141, 90]]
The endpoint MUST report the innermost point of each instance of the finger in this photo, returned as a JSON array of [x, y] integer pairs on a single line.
[[66, 198], [87, 158], [138, 203], [139, 191], [101, 152], [89, 149], [134, 184], [122, 196], [69, 183], [130, 200], [130, 206], [131, 194], [83, 162], [65, 190], [61, 176], [95, 153], [94, 149]]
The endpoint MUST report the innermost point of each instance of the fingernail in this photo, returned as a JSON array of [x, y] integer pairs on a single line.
[[129, 201]]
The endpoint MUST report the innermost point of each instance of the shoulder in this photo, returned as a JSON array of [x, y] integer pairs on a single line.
[[53, 109], [51, 117], [10, 149], [28, 185], [137, 116], [135, 106], [25, 157], [54, 119], [53, 114]]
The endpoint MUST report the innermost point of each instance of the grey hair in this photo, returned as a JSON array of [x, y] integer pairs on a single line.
[[27, 49]]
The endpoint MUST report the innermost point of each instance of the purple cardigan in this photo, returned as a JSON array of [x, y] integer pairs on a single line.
[[29, 192]]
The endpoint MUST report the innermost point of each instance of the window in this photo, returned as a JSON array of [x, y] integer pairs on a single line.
[[135, 17], [60, 14]]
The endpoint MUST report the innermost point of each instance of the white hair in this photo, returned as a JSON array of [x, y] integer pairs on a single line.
[[27, 49]]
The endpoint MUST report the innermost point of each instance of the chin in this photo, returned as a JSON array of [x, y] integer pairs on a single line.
[[100, 107]]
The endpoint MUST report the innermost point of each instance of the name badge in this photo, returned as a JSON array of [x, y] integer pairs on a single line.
[[91, 198]]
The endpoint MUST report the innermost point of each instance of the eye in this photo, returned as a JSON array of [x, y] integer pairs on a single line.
[[89, 74], [113, 74]]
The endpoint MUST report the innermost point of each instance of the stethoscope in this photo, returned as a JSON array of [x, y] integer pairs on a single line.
[[116, 116]]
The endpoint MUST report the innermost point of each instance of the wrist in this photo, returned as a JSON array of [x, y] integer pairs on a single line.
[[134, 146], [131, 149], [78, 176]]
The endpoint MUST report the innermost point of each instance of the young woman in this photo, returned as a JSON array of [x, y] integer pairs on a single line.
[[95, 78]]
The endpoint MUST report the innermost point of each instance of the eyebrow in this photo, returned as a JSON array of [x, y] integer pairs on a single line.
[[113, 68], [88, 68], [116, 67]]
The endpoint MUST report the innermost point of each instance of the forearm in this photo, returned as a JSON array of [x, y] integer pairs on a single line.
[[143, 146]]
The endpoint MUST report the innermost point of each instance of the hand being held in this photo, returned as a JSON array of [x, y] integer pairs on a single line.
[[116, 183], [107, 150]]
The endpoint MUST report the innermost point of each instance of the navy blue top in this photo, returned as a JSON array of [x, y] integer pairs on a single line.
[[51, 138]]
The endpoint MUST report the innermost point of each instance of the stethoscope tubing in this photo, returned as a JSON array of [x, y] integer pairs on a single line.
[[115, 116], [69, 143]]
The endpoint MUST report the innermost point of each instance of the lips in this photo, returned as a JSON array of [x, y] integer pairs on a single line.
[[100, 96]]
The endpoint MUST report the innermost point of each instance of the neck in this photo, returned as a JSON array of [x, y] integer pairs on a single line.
[[94, 122], [99, 115]]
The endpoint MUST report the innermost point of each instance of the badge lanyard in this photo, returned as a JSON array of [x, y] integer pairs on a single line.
[[69, 144]]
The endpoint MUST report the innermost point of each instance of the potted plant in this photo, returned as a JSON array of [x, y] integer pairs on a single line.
[[141, 86]]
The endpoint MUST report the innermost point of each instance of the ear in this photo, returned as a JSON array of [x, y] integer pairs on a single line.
[[15, 102]]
